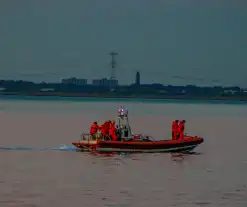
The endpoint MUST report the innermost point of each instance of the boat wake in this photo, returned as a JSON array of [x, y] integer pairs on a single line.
[[61, 148]]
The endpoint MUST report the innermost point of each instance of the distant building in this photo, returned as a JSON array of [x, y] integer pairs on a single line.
[[113, 82], [229, 92], [105, 82], [244, 90], [74, 81], [137, 79]]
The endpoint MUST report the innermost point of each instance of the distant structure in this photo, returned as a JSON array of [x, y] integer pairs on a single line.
[[137, 78], [74, 81], [105, 82], [113, 65], [112, 82]]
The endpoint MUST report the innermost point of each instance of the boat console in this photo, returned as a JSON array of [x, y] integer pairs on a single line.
[[124, 130], [122, 124]]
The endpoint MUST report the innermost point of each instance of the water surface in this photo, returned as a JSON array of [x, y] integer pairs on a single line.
[[39, 167]]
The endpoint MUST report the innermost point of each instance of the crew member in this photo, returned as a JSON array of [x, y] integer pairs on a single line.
[[112, 131], [181, 129], [174, 129], [105, 129], [94, 128]]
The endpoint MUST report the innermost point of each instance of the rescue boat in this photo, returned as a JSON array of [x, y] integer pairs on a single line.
[[128, 142]]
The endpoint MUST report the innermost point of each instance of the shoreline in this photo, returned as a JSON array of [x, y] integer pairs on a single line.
[[86, 95]]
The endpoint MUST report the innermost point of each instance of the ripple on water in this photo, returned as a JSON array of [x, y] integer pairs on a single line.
[[216, 177]]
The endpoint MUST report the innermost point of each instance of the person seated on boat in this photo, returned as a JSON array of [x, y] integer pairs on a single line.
[[105, 129], [174, 129], [112, 131], [94, 129], [181, 129]]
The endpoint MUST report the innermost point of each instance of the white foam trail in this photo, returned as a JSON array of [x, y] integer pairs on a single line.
[[62, 148]]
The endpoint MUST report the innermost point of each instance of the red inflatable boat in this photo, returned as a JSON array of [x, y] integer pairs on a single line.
[[127, 142], [144, 145]]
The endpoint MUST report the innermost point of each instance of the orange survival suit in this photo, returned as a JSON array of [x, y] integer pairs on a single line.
[[105, 128], [181, 129], [112, 131], [94, 128], [174, 129]]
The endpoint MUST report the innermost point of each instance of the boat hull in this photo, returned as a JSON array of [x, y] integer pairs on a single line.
[[185, 145]]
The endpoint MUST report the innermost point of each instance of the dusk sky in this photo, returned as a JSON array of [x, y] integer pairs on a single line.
[[169, 41]]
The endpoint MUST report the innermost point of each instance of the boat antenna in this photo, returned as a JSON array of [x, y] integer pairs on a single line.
[[127, 119]]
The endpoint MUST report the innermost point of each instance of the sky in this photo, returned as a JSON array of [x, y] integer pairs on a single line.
[[176, 42]]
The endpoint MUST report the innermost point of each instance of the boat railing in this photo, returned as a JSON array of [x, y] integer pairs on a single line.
[[144, 136], [88, 137], [85, 137], [141, 138]]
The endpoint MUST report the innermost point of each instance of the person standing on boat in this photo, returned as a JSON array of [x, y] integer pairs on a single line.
[[105, 129], [112, 131], [174, 130], [94, 129], [181, 129]]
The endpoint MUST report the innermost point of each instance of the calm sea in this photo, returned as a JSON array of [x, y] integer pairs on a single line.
[[40, 168]]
